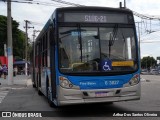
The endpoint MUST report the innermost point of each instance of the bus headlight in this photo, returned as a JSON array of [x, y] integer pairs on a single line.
[[65, 83], [134, 80]]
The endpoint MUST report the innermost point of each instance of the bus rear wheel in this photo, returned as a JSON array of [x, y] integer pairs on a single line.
[[34, 85], [109, 103], [39, 92], [51, 104]]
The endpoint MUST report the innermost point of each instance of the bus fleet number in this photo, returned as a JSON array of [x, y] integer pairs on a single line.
[[115, 82]]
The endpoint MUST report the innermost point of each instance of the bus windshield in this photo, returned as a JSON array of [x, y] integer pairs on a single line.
[[97, 49]]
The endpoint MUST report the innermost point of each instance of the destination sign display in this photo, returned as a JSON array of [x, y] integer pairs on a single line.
[[95, 18]]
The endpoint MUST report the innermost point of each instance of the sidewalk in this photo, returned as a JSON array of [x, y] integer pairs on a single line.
[[18, 81]]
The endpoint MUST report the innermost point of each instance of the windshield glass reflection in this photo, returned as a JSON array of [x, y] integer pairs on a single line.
[[96, 49]]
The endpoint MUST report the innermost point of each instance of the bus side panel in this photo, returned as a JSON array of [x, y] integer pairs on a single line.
[[39, 71], [36, 72], [43, 80]]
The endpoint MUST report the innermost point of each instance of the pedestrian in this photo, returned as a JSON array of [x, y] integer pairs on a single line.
[[28, 72], [5, 70], [15, 70]]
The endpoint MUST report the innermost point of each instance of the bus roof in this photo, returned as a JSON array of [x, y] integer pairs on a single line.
[[93, 8]]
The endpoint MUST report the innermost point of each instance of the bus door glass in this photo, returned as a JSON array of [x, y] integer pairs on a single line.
[[90, 48], [69, 47]]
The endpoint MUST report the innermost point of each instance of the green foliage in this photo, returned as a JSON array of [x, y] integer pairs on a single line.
[[147, 62], [18, 37], [3, 33]]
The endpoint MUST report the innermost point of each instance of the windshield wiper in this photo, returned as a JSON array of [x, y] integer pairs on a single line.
[[124, 41], [113, 37]]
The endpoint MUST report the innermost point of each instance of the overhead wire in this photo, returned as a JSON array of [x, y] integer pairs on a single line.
[[150, 27], [61, 2], [68, 3], [144, 18], [37, 3]]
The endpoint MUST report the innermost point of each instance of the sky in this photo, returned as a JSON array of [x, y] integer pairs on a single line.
[[39, 14]]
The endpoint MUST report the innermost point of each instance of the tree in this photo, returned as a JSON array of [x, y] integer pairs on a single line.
[[3, 33], [147, 62], [17, 35]]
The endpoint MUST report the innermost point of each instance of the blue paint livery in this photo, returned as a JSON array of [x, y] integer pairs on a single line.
[[99, 82]]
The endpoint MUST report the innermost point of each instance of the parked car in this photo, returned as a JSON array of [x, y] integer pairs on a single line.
[[144, 71], [154, 72]]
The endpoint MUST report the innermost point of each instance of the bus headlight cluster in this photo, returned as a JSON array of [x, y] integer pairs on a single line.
[[133, 81], [65, 83]]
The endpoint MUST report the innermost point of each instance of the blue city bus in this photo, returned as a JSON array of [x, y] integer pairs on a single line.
[[87, 55]]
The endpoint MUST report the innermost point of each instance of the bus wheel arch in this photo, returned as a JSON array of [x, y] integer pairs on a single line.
[[48, 94]]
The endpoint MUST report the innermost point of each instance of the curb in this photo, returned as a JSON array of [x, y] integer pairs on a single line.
[[29, 82], [16, 85]]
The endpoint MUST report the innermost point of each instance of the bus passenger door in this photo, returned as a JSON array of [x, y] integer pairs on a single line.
[[44, 74], [39, 67], [52, 61]]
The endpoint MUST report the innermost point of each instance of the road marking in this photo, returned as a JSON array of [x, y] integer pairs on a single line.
[[5, 88], [3, 94], [10, 88]]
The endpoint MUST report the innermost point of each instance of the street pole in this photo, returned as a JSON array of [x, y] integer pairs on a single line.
[[139, 37], [33, 57], [124, 3], [5, 50], [26, 41], [34, 35], [26, 44], [33, 64], [139, 43], [9, 44]]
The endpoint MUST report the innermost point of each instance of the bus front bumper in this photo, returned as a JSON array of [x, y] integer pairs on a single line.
[[75, 96]]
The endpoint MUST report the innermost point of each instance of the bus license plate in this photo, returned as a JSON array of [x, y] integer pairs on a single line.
[[101, 94]]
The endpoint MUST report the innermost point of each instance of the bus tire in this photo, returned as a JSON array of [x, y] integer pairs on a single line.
[[48, 98], [39, 92], [34, 86], [109, 103], [36, 82], [51, 104]]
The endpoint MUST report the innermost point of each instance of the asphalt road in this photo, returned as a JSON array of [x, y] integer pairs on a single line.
[[25, 98]]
